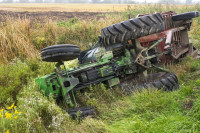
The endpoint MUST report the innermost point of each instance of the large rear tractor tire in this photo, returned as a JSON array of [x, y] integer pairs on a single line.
[[57, 53], [163, 80], [132, 29]]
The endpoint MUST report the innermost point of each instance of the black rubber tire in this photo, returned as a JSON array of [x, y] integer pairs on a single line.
[[84, 112], [61, 52], [185, 16], [163, 80], [132, 29]]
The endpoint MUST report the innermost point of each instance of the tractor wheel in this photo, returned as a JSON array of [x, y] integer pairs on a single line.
[[185, 16], [57, 53], [132, 29], [163, 80], [84, 112]]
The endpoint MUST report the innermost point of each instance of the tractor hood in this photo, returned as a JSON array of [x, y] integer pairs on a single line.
[[88, 56]]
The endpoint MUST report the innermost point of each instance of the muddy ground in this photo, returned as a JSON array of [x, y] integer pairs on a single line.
[[53, 15]]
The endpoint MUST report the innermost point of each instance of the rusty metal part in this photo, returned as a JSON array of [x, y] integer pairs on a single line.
[[153, 37], [182, 51], [176, 33]]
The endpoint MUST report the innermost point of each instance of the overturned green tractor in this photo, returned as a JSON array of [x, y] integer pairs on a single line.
[[119, 58]]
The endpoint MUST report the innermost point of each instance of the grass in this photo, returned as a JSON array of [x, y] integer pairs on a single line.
[[16, 74], [146, 111], [159, 111], [22, 39]]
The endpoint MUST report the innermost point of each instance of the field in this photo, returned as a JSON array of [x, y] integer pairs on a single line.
[[25, 29], [64, 7], [60, 12]]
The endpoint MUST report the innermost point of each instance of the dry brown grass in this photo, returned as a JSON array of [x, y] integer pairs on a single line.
[[22, 39], [15, 40]]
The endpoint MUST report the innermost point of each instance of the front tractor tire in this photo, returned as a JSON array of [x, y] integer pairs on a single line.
[[61, 52]]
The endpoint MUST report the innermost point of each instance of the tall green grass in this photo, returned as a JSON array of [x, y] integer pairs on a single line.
[[146, 111], [16, 74]]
